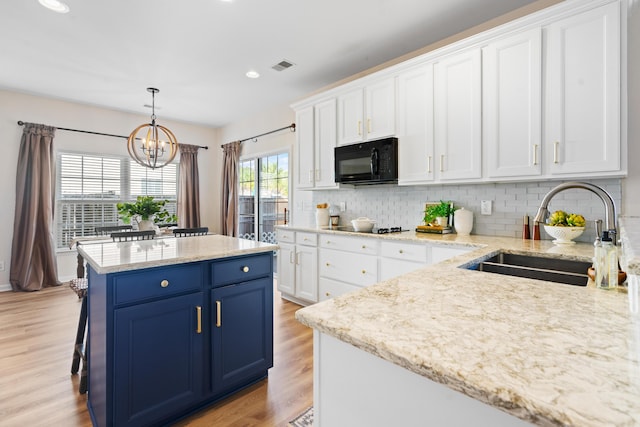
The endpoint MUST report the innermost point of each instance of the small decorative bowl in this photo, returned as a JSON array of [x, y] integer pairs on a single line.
[[563, 235]]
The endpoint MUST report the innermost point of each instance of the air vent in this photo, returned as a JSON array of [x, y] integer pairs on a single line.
[[282, 65]]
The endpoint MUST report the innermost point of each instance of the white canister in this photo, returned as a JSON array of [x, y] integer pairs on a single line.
[[463, 221], [322, 217]]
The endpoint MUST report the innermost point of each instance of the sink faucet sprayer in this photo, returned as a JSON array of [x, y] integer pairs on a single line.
[[610, 212]]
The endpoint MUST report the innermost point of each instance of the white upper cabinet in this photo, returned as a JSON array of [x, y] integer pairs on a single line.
[[415, 126], [325, 142], [305, 166], [512, 105], [582, 93], [367, 113], [457, 110]]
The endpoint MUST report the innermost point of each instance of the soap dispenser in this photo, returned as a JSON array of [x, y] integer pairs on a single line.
[[608, 263]]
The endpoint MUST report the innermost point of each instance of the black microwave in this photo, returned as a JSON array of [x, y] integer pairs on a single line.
[[373, 162]]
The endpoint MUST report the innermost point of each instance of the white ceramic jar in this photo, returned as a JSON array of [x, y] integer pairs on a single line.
[[463, 221], [322, 217]]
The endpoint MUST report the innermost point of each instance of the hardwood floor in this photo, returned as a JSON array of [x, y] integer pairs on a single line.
[[37, 330]]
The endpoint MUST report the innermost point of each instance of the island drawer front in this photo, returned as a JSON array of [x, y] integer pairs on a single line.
[[356, 269], [286, 236], [242, 269], [405, 251], [147, 284], [350, 244], [307, 239]]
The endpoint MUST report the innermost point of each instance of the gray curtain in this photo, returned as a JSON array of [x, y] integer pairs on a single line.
[[189, 191], [33, 259], [229, 206]]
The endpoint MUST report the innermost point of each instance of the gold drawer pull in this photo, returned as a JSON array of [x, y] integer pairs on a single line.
[[401, 251], [164, 283], [245, 269], [364, 271], [199, 316], [218, 314], [364, 247], [327, 264], [327, 294]]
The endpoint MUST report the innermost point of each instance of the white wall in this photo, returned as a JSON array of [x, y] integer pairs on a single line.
[[17, 106]]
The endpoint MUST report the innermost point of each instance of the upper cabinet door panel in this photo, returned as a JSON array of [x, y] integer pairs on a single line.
[[305, 166], [350, 117], [380, 109], [325, 143], [458, 115], [583, 92], [512, 105]]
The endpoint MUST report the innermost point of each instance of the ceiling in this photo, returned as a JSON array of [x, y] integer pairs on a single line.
[[106, 53]]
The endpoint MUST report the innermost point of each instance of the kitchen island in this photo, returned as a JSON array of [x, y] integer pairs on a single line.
[[175, 324], [446, 345]]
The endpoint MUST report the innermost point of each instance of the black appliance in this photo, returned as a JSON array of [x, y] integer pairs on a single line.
[[373, 162]]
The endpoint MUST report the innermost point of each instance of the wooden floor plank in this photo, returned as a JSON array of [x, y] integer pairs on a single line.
[[37, 330]]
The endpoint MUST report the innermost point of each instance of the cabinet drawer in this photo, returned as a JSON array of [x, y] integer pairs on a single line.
[[390, 267], [157, 282], [286, 236], [241, 269], [405, 251], [441, 253], [355, 269], [350, 244], [333, 288], [307, 239]]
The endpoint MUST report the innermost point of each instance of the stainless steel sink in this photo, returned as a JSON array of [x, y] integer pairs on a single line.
[[557, 270]]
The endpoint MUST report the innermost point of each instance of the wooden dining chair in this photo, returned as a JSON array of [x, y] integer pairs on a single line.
[[125, 236], [196, 231], [107, 230]]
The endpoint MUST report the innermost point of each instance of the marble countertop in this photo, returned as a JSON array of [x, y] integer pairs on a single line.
[[548, 353], [113, 257]]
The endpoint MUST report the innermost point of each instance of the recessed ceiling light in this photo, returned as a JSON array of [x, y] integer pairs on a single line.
[[252, 74], [55, 5]]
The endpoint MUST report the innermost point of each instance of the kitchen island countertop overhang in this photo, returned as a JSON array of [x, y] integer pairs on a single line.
[[547, 353]]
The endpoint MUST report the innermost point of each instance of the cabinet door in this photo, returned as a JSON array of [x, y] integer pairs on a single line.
[[305, 166], [157, 359], [325, 142], [415, 126], [380, 109], [350, 117], [306, 273], [582, 108], [458, 116], [286, 268], [242, 338], [512, 105]]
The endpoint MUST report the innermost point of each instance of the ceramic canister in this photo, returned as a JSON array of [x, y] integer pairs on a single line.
[[463, 221]]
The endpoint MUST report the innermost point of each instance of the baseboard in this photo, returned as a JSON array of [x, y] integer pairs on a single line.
[[5, 288]]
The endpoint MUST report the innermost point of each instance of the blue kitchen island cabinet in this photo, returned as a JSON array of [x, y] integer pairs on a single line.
[[166, 341]]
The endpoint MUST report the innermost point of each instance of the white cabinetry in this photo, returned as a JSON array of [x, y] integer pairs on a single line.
[[398, 258], [457, 110], [415, 126], [367, 113], [316, 139], [582, 93], [512, 105], [298, 265]]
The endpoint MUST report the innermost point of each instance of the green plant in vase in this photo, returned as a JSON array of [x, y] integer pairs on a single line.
[[145, 211], [438, 213]]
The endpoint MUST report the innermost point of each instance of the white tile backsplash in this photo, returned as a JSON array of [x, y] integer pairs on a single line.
[[391, 205]]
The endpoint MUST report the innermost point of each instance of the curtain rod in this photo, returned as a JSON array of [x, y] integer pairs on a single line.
[[21, 123], [292, 127]]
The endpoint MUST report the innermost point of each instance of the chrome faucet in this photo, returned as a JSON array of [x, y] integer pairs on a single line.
[[610, 212]]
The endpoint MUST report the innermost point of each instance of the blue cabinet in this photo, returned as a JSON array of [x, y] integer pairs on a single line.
[[166, 341]]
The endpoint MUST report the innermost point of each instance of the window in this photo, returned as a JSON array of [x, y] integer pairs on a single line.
[[259, 212], [89, 186]]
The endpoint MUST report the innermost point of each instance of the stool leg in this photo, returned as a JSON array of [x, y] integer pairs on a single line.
[[83, 376], [77, 347]]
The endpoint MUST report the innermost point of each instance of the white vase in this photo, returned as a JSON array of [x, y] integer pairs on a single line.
[[322, 218], [442, 221], [463, 221], [145, 224]]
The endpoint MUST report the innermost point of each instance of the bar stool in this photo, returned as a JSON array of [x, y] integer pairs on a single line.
[[80, 286], [196, 231]]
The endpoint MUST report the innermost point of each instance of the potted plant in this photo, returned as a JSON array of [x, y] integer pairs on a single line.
[[438, 213], [145, 211]]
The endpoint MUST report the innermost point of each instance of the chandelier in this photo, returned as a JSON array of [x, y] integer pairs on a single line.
[[151, 144]]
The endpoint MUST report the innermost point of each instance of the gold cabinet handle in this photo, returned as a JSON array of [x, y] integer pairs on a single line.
[[364, 246], [555, 151], [364, 271], [218, 314], [327, 264], [535, 154], [369, 125], [291, 260], [441, 162], [327, 294], [429, 164], [164, 283], [359, 127], [245, 269], [317, 174], [401, 251], [310, 175], [199, 317]]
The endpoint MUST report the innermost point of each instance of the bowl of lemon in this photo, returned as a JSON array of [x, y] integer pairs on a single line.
[[564, 227]]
